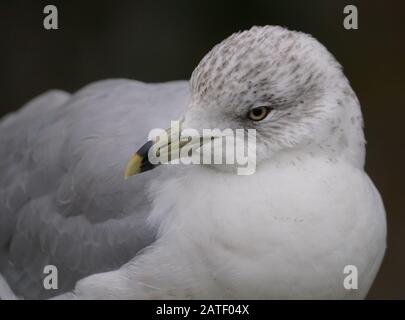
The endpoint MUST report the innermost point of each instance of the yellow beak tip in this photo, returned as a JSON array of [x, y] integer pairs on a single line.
[[133, 166]]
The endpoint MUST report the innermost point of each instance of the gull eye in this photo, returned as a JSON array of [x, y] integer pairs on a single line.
[[259, 113]]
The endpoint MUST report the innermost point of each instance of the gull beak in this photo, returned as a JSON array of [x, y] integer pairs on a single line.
[[165, 148], [139, 161]]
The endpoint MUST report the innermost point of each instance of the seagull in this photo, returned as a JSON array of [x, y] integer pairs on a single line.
[[177, 231]]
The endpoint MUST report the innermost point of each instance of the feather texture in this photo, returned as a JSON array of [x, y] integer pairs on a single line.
[[63, 199]]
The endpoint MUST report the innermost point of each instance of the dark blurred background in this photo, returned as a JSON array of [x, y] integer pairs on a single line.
[[157, 41]]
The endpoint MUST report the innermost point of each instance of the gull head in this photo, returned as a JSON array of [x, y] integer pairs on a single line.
[[284, 85]]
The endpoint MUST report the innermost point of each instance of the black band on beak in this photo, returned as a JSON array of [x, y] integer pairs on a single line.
[[143, 153]]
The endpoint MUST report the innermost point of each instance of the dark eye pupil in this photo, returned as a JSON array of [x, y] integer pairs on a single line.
[[258, 111]]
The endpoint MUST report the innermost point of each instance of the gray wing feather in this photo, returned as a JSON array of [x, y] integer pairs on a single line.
[[63, 199]]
